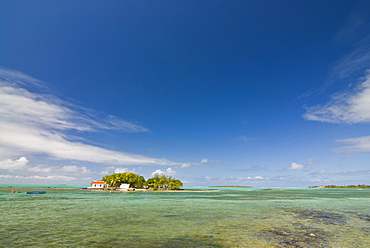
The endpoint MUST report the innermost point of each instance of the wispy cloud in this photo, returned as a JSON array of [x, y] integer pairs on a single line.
[[186, 165], [50, 178], [358, 144], [350, 108], [311, 161], [318, 172], [358, 172], [354, 62], [44, 110], [236, 180], [35, 121], [75, 169], [202, 162], [347, 107], [354, 35]]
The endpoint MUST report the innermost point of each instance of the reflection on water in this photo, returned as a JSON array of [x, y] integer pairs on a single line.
[[218, 218]]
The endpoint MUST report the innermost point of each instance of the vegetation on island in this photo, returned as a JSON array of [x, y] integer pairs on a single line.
[[163, 181], [340, 187], [116, 179], [137, 181]]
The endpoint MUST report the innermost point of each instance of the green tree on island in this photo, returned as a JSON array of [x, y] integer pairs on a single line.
[[136, 181], [163, 181], [116, 179]]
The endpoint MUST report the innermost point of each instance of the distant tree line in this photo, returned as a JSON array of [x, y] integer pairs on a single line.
[[346, 186], [137, 181]]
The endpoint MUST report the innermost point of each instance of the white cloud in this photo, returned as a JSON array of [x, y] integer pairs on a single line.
[[40, 169], [204, 161], [358, 144], [348, 108], [296, 166], [52, 178], [252, 178], [74, 169], [24, 165], [345, 108], [169, 172], [9, 164], [45, 110], [120, 170], [40, 123], [185, 165], [33, 140]]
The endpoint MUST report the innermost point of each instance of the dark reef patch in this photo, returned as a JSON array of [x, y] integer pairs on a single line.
[[327, 218], [302, 237], [171, 215], [364, 217]]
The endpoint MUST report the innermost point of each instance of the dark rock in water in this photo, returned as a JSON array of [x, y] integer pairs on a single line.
[[306, 237], [171, 215], [293, 243], [321, 216], [283, 233], [364, 217], [298, 234]]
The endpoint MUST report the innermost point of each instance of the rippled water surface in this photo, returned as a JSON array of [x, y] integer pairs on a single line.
[[217, 218]]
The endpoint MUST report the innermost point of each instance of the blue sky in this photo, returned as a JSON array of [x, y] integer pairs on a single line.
[[256, 93]]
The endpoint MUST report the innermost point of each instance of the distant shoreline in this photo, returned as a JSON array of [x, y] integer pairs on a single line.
[[340, 186]]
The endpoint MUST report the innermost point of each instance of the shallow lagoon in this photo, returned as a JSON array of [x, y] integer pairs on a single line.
[[216, 218]]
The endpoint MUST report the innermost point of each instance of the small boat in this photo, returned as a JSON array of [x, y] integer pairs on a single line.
[[35, 192]]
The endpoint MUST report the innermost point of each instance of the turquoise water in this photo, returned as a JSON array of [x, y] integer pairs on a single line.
[[218, 218]]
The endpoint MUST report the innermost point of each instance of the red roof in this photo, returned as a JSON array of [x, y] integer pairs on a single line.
[[98, 182]]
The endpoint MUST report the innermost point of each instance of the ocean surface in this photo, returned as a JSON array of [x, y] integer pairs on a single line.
[[242, 217]]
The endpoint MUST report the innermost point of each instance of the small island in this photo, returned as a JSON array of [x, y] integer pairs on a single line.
[[341, 187], [131, 181]]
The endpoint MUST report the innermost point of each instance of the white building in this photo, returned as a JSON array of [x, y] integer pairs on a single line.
[[97, 185], [124, 186]]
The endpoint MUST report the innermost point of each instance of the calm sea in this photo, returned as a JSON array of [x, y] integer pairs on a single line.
[[66, 217]]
